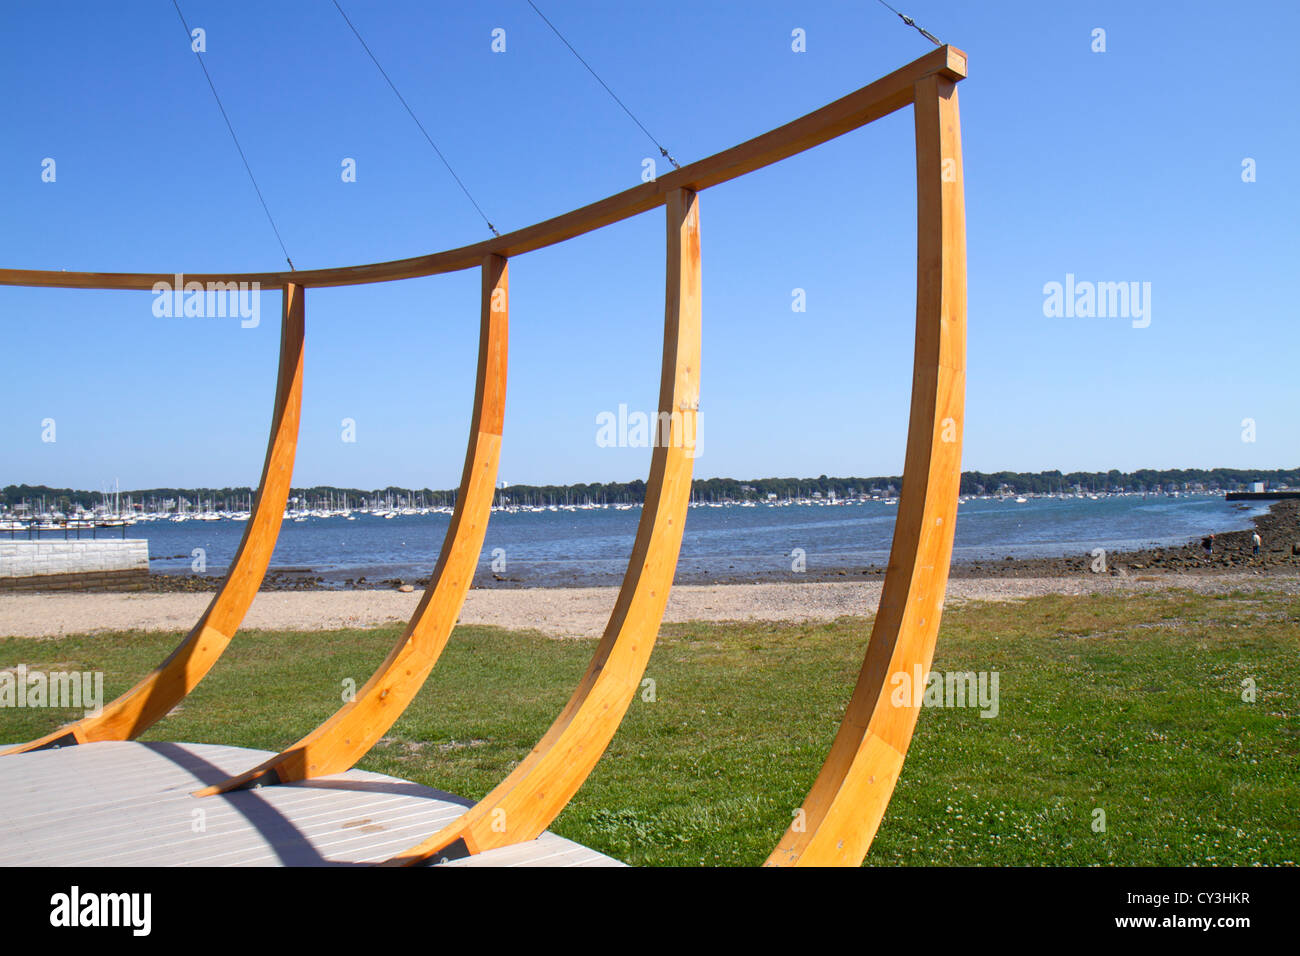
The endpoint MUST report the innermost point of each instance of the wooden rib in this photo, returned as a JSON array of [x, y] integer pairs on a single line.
[[858, 108], [844, 808], [336, 745], [526, 802], [160, 691]]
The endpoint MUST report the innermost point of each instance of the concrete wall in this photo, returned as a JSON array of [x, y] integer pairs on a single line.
[[64, 565]]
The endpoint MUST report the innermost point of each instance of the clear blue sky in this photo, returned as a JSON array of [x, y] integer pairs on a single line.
[[1115, 166]]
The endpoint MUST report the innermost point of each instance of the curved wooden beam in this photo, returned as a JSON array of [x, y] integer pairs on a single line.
[[884, 96], [844, 808], [526, 802], [337, 744], [153, 697]]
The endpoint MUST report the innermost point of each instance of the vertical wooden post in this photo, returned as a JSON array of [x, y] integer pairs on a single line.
[[338, 743], [163, 688], [526, 802], [844, 808]]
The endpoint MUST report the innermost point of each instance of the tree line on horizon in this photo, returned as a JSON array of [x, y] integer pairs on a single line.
[[703, 489]]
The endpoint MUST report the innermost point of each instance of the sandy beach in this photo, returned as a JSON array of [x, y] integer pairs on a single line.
[[559, 612]]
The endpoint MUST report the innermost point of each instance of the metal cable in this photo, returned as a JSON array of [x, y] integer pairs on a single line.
[[251, 177], [912, 23], [416, 118], [603, 83]]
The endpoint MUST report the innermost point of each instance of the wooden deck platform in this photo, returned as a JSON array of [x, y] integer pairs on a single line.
[[129, 804]]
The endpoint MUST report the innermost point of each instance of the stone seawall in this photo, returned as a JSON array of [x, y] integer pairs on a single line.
[[74, 565]]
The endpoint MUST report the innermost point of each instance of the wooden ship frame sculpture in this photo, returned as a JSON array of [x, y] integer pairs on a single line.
[[848, 799]]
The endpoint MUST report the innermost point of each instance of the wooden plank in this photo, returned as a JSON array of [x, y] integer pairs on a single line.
[[525, 803], [858, 108], [843, 810], [126, 804], [162, 689], [347, 736], [546, 850]]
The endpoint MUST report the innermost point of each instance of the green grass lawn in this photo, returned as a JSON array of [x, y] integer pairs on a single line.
[[1131, 705]]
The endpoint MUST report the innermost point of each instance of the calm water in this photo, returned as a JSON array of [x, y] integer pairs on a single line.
[[592, 547]]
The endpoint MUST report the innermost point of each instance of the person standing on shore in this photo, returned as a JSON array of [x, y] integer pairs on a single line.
[[1254, 539], [1208, 544]]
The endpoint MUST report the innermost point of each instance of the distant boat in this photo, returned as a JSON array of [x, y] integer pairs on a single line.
[[1021, 501]]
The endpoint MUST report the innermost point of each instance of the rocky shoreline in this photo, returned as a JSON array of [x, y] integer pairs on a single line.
[[1279, 552], [1279, 531]]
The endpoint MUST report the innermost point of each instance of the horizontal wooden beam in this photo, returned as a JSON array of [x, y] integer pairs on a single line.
[[857, 109]]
